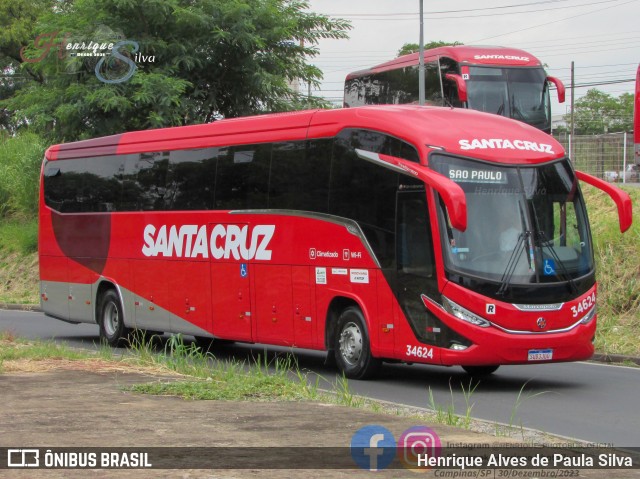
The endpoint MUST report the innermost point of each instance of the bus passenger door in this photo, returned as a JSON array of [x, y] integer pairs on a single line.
[[416, 274], [274, 309], [230, 294]]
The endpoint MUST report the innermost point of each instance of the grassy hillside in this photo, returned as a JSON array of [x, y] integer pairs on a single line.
[[618, 272], [18, 261], [617, 260]]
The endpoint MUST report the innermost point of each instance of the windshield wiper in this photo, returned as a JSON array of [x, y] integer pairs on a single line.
[[512, 263], [516, 113]]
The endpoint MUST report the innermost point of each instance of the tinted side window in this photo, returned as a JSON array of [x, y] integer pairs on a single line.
[[192, 178], [64, 185], [242, 178], [432, 87], [85, 185], [365, 192], [152, 171], [103, 182], [299, 178]]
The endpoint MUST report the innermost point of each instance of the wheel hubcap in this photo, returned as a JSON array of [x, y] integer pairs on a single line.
[[351, 343], [111, 318]]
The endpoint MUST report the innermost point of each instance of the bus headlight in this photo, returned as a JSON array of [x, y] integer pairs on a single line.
[[589, 316], [463, 313]]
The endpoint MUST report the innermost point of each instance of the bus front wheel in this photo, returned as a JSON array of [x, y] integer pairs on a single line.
[[111, 319], [352, 347]]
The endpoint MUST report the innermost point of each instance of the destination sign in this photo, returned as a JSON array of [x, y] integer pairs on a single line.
[[477, 175]]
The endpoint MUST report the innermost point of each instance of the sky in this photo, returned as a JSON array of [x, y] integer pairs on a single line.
[[602, 37]]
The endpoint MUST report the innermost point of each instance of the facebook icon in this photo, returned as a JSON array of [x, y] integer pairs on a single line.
[[373, 447]]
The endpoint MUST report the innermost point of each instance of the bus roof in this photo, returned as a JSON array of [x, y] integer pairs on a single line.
[[470, 55], [459, 131]]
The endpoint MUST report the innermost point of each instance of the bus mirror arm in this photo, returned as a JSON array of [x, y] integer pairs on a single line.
[[621, 198], [460, 83], [452, 194], [559, 86]]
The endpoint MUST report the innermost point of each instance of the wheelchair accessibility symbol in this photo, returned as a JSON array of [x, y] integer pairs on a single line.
[[243, 270], [549, 267]]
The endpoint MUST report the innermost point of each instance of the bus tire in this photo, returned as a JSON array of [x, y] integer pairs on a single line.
[[111, 319], [352, 347], [480, 371]]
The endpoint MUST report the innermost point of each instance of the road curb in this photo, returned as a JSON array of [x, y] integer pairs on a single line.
[[615, 358], [21, 307], [597, 357]]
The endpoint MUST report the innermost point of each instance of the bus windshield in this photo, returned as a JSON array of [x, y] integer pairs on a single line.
[[518, 93], [525, 224]]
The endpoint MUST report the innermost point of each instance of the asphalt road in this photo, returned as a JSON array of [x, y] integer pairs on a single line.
[[588, 401]]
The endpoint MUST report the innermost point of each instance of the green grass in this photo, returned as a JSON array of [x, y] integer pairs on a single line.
[[20, 160], [19, 236], [18, 261], [201, 375], [212, 379], [446, 414], [618, 274], [12, 348]]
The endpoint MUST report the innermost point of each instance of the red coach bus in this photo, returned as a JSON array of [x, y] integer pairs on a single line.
[[499, 80], [398, 233]]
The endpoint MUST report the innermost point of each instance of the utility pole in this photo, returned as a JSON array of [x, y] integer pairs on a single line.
[[421, 66], [573, 124]]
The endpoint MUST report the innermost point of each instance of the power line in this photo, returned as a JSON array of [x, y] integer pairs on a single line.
[[550, 23], [447, 11], [384, 17]]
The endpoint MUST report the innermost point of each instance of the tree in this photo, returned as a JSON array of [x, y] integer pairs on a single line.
[[17, 28], [414, 47], [203, 59], [598, 112]]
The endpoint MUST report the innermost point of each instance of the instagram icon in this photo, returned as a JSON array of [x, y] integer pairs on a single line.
[[417, 441]]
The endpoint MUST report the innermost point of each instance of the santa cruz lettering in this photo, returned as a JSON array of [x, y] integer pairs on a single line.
[[503, 144], [501, 57], [225, 241]]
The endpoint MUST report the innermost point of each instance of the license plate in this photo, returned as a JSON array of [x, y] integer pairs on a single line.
[[540, 354]]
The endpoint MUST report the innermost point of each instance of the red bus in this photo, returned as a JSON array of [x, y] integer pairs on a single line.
[[384, 233], [500, 80]]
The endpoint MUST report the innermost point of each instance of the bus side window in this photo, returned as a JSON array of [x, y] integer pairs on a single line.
[[299, 175], [103, 181], [192, 179], [365, 192], [152, 169], [415, 251], [432, 89], [242, 179]]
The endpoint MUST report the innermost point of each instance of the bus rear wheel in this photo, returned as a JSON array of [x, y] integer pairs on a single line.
[[111, 319], [480, 371], [352, 347]]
